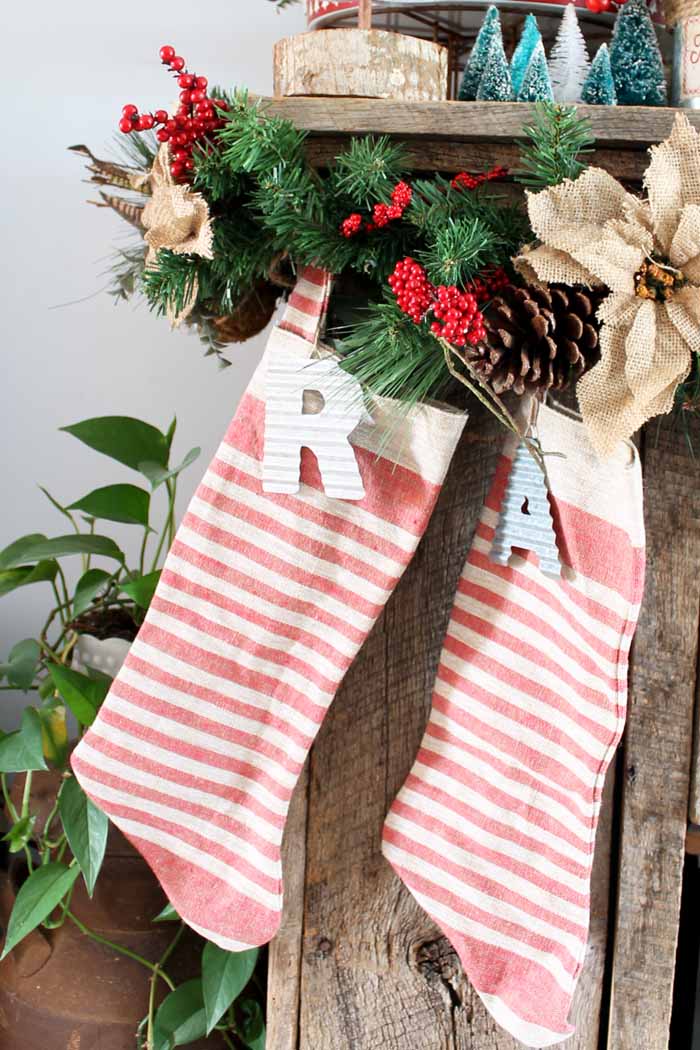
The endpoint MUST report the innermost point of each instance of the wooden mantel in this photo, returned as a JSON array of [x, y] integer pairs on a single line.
[[357, 965], [456, 136]]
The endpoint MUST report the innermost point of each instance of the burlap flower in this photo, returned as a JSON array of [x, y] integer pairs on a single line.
[[647, 252], [177, 219]]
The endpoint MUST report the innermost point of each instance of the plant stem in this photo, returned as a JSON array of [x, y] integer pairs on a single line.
[[26, 793], [167, 527], [158, 972], [58, 609], [142, 555], [153, 967], [62, 578], [8, 801]]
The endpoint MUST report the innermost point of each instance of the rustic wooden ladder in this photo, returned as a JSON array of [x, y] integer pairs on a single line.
[[357, 965]]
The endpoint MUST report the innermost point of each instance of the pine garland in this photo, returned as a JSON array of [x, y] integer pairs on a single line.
[[557, 139]]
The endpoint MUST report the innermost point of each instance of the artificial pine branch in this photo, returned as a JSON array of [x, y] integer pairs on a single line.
[[393, 357], [368, 170], [459, 250], [557, 137], [169, 284]]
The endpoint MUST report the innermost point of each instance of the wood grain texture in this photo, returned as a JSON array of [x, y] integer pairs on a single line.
[[434, 154], [657, 749], [375, 973], [360, 62], [625, 127]]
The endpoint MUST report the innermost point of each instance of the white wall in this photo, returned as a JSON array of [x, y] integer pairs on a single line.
[[69, 68]]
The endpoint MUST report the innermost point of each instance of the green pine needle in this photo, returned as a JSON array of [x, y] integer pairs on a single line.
[[170, 283], [459, 250], [368, 170], [393, 357], [558, 137]]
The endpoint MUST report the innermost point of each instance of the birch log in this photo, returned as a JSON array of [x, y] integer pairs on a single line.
[[360, 63]]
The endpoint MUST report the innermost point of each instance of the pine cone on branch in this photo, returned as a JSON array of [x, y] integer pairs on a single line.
[[538, 338]]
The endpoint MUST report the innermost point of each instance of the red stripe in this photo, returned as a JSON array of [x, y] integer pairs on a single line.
[[265, 716], [241, 642], [177, 748], [295, 537], [321, 516], [411, 498], [503, 861], [254, 741], [247, 612], [234, 796], [326, 587], [230, 670], [226, 574]]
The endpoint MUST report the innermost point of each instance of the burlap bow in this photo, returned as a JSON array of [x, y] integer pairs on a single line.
[[177, 219], [647, 252]]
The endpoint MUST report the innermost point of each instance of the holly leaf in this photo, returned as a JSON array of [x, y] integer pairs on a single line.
[[36, 899], [224, 976], [22, 750], [86, 829], [125, 503]]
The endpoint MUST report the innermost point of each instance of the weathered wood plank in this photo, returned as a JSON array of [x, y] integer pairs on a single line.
[[375, 972], [434, 154], [657, 750], [284, 969], [626, 127]]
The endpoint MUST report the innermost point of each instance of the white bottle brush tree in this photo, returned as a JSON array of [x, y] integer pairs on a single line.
[[568, 62]]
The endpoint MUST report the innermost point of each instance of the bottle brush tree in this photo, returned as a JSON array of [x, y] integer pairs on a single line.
[[495, 84], [529, 38], [635, 58], [536, 85], [599, 89], [568, 62], [476, 63]]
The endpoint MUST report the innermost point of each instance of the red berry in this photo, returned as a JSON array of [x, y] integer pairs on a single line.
[[167, 54], [129, 111], [189, 164], [202, 83], [176, 170], [161, 116], [350, 226], [199, 96], [125, 125], [185, 97], [146, 122], [186, 80], [177, 63], [162, 135]]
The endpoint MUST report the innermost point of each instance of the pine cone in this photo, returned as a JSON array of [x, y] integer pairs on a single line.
[[538, 338]]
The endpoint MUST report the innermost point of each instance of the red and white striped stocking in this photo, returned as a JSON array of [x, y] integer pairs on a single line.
[[262, 605], [493, 831]]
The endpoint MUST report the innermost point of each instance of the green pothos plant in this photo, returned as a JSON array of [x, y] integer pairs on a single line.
[[108, 596]]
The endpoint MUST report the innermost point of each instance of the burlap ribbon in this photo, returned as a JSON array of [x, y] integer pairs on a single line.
[[593, 232], [177, 219]]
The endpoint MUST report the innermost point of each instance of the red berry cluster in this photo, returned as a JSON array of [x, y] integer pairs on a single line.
[[414, 292], [382, 214], [462, 322], [350, 226], [488, 284], [196, 117], [465, 181], [458, 319]]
